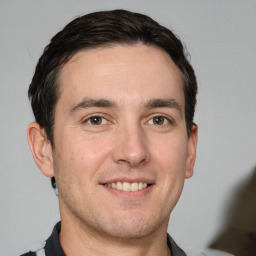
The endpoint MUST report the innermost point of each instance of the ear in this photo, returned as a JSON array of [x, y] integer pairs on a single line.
[[191, 157], [41, 149]]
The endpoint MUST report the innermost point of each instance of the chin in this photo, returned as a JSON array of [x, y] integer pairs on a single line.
[[131, 228]]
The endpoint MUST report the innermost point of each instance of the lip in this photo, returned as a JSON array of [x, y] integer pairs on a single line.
[[130, 180], [128, 195]]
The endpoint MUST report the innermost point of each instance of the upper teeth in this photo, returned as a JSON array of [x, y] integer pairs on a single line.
[[126, 186]]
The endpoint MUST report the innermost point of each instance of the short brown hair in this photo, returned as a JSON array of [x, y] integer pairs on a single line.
[[98, 29]]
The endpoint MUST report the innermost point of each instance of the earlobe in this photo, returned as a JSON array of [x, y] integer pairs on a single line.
[[41, 149], [191, 158]]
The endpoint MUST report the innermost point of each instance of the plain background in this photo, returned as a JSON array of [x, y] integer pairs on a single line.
[[221, 39]]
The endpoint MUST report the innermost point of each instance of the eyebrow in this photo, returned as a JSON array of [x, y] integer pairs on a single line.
[[89, 103], [104, 103], [164, 103]]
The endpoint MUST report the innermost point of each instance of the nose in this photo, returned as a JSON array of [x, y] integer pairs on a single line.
[[131, 146]]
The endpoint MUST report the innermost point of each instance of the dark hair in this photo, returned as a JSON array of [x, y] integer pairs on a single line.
[[100, 29]]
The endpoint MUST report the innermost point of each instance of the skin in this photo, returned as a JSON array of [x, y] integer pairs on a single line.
[[138, 133]]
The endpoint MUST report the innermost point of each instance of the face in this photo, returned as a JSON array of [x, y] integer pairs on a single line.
[[121, 148]]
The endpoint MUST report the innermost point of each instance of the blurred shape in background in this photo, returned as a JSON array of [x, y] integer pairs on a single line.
[[239, 236]]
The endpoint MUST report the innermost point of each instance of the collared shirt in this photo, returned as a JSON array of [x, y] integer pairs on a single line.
[[53, 247]]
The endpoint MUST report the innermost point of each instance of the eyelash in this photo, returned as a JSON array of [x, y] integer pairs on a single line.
[[89, 120], [164, 120]]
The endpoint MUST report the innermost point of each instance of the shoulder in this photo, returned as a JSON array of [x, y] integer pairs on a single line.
[[29, 254], [36, 249], [174, 248]]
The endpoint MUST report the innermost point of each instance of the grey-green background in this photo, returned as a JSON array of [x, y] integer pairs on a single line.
[[221, 38]]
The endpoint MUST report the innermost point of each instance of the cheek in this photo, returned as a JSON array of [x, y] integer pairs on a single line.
[[82, 155], [171, 153], [76, 162], [171, 156]]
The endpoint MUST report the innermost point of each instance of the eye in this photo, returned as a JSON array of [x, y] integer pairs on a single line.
[[96, 120], [159, 120]]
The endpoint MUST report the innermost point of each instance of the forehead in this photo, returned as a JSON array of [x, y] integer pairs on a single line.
[[120, 70]]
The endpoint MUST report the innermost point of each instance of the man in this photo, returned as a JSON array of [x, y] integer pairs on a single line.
[[114, 97]]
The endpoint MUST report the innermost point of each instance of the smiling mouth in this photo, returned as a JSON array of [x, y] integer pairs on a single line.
[[128, 187]]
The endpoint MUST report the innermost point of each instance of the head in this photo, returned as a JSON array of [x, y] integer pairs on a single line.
[[114, 98], [97, 30]]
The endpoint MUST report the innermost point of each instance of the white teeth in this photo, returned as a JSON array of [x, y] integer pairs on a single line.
[[134, 186], [119, 185], [140, 185], [126, 186]]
